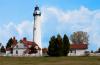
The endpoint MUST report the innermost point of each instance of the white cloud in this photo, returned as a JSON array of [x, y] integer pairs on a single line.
[[23, 29], [56, 21], [82, 19]]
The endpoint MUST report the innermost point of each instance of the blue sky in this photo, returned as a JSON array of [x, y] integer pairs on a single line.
[[58, 16]]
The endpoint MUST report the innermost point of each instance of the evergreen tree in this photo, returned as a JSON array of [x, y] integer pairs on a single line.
[[9, 43], [59, 45], [0, 44], [2, 50], [66, 45], [99, 50], [52, 46]]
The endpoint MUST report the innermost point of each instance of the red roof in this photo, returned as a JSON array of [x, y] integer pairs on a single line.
[[79, 46], [24, 41], [28, 43]]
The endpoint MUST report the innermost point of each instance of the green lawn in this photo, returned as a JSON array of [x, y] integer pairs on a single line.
[[49, 60]]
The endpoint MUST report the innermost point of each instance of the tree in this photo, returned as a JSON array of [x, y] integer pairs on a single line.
[[9, 43], [2, 50], [99, 50], [66, 45], [58, 46], [52, 46], [0, 44], [79, 37]]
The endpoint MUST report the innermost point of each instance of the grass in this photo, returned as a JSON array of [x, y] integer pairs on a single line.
[[49, 60]]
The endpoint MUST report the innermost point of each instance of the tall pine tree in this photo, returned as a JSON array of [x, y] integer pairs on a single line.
[[2, 50], [66, 45], [9, 43], [60, 47], [52, 46]]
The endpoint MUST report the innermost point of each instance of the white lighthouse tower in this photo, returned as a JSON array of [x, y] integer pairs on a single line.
[[37, 28]]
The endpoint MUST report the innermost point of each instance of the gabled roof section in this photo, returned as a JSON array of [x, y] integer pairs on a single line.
[[79, 46], [24, 44], [28, 43]]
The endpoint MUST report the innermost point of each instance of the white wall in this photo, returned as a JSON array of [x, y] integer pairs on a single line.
[[20, 52], [77, 53]]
